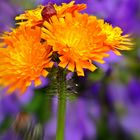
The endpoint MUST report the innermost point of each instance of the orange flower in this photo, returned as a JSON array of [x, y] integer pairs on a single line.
[[23, 58], [114, 38], [34, 17], [77, 39]]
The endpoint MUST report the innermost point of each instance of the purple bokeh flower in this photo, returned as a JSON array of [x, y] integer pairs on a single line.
[[7, 14], [123, 13], [126, 100]]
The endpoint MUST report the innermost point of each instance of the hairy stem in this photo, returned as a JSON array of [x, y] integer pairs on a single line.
[[61, 88]]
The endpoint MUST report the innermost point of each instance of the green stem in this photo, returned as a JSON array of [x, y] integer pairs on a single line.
[[61, 81]]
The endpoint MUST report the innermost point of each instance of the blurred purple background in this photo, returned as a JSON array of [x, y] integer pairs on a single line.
[[108, 100]]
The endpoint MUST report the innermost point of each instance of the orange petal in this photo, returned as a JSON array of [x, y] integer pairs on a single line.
[[37, 82], [79, 69]]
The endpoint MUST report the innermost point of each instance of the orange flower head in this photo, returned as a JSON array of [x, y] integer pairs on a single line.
[[35, 17], [77, 39], [115, 40], [23, 58], [31, 17]]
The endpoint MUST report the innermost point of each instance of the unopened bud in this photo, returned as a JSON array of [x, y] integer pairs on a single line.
[[48, 11]]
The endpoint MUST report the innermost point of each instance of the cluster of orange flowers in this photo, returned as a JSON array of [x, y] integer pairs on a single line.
[[78, 39]]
